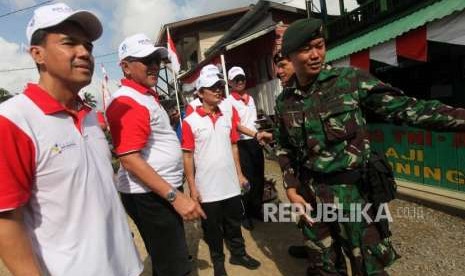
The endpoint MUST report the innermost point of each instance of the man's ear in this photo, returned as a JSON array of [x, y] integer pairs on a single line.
[[125, 67], [37, 53], [200, 93]]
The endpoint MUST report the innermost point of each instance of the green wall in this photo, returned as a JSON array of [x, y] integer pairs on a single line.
[[424, 157]]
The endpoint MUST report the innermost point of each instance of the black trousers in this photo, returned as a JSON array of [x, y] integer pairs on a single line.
[[162, 230], [223, 223], [253, 167]]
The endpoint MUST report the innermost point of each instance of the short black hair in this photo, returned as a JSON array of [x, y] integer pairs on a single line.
[[38, 37], [278, 57]]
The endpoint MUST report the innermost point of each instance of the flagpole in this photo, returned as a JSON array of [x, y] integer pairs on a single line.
[[104, 87], [223, 66], [175, 77], [176, 92]]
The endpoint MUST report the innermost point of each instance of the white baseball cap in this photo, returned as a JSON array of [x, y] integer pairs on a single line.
[[209, 76], [234, 72], [52, 15], [139, 46]]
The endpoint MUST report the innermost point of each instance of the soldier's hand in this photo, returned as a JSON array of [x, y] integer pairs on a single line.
[[264, 137], [187, 208], [303, 206]]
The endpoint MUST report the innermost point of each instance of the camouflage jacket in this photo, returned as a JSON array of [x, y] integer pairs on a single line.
[[322, 127]]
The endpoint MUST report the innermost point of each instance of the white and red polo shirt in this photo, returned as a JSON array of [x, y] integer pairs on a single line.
[[209, 137], [245, 106], [55, 163], [225, 106], [139, 123]]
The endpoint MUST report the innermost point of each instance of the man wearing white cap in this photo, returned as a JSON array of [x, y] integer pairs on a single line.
[[209, 137], [150, 178], [60, 213], [250, 152], [226, 106]]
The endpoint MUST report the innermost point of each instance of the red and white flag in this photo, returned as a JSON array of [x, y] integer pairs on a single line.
[[173, 56]]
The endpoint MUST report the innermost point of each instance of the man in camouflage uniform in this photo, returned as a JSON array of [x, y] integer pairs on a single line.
[[323, 145]]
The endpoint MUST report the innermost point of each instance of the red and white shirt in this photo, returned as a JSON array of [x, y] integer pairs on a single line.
[[245, 106], [56, 164], [225, 106], [139, 123], [209, 137]]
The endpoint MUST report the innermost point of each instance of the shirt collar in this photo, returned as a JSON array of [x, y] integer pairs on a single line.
[[201, 111], [47, 103], [327, 72], [244, 97], [138, 87]]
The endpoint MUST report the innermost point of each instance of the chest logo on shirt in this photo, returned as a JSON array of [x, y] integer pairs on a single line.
[[60, 147]]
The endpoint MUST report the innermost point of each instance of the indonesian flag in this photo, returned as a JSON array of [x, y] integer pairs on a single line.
[[105, 90], [173, 56]]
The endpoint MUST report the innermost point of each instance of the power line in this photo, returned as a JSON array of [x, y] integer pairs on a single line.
[[27, 8], [104, 55], [30, 68], [16, 69]]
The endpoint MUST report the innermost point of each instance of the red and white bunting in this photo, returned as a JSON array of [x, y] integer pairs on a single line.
[[450, 29], [385, 53], [411, 45]]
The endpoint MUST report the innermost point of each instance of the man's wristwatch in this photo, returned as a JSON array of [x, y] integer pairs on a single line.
[[171, 195]]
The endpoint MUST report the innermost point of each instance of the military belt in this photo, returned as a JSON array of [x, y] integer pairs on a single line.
[[336, 178]]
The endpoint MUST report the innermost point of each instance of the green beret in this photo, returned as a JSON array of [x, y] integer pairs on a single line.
[[299, 33]]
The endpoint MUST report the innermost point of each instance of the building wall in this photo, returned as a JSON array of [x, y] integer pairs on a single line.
[[265, 95], [206, 40]]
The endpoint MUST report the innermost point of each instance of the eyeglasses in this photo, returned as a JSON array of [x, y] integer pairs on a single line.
[[215, 89], [239, 79], [147, 61]]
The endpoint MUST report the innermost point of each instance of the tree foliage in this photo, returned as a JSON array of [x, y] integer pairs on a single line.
[[90, 99], [4, 95]]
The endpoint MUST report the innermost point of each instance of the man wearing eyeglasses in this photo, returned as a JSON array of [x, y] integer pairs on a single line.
[[150, 177], [250, 152]]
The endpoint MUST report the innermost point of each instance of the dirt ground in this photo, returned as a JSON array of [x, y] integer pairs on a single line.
[[429, 241]]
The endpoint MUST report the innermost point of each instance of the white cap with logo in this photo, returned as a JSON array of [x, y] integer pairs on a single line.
[[234, 72], [52, 15], [209, 75], [140, 46]]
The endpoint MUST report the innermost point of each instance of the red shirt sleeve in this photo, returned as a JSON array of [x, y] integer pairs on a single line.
[[17, 166], [188, 141], [235, 121], [129, 124], [235, 116], [189, 110]]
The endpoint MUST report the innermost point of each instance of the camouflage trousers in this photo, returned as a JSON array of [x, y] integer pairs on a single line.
[[344, 248]]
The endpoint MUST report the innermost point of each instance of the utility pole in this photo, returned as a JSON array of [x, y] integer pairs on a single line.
[[342, 9], [324, 12], [309, 6]]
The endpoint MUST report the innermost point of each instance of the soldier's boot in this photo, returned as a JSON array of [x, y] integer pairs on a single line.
[[318, 267], [298, 251]]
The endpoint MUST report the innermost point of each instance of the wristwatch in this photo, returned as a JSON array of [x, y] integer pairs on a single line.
[[171, 195]]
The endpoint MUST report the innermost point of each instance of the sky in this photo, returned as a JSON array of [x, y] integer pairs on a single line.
[[120, 18]]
